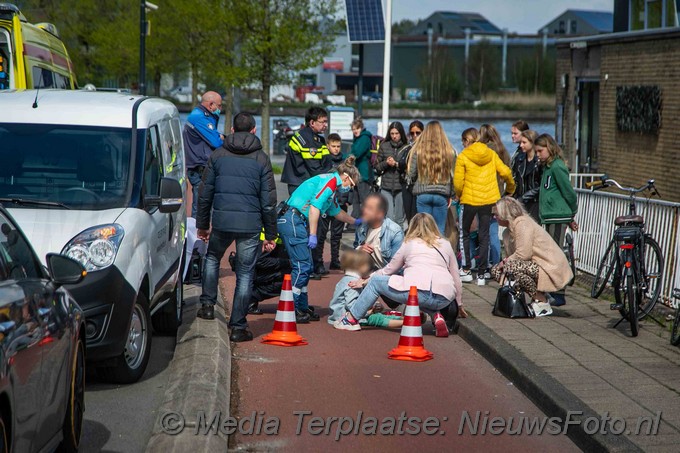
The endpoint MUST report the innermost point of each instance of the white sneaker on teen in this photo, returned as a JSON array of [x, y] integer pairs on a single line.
[[466, 276]]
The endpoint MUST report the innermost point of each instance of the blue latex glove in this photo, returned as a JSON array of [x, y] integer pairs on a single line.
[[358, 221], [312, 242]]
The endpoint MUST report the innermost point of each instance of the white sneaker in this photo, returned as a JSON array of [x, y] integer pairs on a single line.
[[345, 324], [465, 276], [487, 275], [481, 281], [541, 309]]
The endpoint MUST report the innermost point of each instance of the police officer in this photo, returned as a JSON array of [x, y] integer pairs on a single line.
[[307, 153], [201, 138]]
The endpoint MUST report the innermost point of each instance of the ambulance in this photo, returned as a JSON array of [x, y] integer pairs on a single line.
[[32, 56]]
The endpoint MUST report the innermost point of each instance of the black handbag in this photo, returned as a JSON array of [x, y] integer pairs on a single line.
[[511, 302]]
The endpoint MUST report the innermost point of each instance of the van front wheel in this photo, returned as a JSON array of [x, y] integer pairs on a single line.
[[131, 364]]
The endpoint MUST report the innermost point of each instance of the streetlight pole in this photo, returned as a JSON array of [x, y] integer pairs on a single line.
[[387, 69], [142, 47]]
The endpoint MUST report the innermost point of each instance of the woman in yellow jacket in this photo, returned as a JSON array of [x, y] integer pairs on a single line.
[[475, 182]]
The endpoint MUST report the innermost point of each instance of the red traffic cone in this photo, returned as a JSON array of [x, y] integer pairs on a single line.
[[411, 345], [284, 332]]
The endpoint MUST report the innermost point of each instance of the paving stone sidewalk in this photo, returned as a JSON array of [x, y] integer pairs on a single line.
[[602, 366]]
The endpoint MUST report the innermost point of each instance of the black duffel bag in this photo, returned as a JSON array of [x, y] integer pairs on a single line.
[[511, 302]]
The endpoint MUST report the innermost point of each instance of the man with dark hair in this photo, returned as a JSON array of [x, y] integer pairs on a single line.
[[201, 138], [378, 236], [239, 193], [307, 154]]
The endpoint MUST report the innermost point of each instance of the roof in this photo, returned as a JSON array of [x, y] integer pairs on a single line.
[[79, 107], [602, 21], [474, 21]]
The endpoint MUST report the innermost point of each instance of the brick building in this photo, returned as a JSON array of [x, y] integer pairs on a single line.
[[618, 106]]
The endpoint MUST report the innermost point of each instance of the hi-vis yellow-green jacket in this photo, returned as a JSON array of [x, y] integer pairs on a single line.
[[474, 179], [306, 156]]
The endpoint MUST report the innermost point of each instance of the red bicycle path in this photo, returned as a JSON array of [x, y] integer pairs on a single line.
[[339, 374]]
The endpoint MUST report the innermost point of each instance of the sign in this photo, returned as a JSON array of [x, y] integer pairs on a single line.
[[333, 64], [340, 122]]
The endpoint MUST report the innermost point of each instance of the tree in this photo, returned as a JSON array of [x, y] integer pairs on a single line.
[[440, 81], [483, 67], [282, 38], [403, 27]]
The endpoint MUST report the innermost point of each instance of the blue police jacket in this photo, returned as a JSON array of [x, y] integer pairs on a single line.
[[200, 137]]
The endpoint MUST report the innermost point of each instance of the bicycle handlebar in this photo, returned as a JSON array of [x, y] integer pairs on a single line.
[[605, 182]]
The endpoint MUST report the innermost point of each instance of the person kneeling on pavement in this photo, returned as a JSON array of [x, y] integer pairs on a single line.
[[298, 223], [428, 263], [536, 263], [270, 269], [237, 197]]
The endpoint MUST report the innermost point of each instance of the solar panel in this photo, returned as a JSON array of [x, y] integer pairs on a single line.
[[365, 21]]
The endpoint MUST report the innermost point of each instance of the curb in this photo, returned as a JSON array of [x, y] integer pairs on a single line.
[[199, 382], [553, 398]]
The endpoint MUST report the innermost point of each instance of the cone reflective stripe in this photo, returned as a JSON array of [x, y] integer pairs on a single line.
[[411, 346], [284, 332]]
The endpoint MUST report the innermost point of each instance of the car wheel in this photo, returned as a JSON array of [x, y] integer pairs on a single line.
[[73, 421], [168, 319], [131, 364]]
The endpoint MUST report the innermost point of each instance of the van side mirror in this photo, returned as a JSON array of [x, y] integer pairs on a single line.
[[63, 270], [170, 197]]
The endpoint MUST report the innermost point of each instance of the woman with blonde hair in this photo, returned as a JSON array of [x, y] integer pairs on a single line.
[[431, 169], [428, 263], [535, 261]]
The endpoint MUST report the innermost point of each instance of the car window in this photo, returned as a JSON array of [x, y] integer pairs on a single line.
[[18, 258], [168, 147], [43, 78], [177, 145], [152, 163], [82, 167]]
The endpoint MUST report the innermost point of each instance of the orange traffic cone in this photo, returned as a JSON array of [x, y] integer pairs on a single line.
[[284, 332], [411, 340]]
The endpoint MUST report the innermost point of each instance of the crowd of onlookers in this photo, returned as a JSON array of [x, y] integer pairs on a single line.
[[423, 214]]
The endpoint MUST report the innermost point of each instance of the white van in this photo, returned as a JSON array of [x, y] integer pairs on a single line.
[[99, 177]]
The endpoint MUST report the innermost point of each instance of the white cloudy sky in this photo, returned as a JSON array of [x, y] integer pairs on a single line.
[[522, 16]]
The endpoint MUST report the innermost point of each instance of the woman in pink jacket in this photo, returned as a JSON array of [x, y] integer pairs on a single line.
[[428, 262]]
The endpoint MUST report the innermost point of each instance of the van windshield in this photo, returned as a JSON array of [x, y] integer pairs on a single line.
[[70, 166]]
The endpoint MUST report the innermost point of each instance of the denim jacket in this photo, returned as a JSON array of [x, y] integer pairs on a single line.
[[391, 237]]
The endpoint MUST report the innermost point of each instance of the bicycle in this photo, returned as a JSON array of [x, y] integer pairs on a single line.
[[632, 262], [675, 330]]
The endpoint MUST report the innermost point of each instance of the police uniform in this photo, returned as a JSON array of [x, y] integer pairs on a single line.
[[200, 138], [319, 192], [307, 156]]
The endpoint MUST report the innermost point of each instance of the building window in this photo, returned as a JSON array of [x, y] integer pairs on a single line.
[[562, 30], [650, 14], [573, 27]]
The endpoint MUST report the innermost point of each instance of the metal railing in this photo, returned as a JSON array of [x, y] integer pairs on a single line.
[[579, 180], [596, 214]]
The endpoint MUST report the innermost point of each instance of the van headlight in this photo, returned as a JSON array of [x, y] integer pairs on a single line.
[[96, 247]]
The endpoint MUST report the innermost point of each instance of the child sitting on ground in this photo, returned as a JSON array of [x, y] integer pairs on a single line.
[[357, 264]]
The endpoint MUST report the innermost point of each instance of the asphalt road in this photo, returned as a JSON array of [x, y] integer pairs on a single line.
[[120, 418]]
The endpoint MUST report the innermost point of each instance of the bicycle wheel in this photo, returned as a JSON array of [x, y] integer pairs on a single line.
[[675, 331], [630, 291], [651, 272], [604, 271]]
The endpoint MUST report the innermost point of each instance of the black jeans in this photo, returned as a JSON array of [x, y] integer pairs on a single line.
[[248, 248], [359, 194], [409, 203], [484, 214]]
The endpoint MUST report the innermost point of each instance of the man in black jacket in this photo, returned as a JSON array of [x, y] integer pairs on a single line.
[[239, 190], [307, 154]]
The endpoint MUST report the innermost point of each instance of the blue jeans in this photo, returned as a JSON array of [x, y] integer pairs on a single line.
[[195, 179], [436, 205], [248, 249], [293, 232], [378, 285], [494, 243]]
